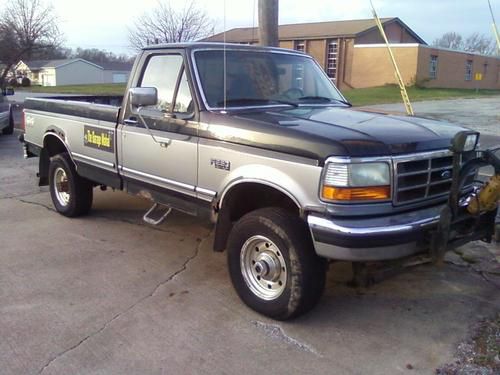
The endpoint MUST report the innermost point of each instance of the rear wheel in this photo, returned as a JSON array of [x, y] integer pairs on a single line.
[[71, 194], [272, 264]]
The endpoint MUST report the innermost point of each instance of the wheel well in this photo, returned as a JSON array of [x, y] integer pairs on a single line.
[[52, 146], [244, 198]]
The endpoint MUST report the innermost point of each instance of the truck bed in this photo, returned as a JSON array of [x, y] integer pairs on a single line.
[[86, 125]]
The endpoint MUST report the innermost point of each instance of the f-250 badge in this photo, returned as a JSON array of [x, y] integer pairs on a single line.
[[221, 164], [98, 138]]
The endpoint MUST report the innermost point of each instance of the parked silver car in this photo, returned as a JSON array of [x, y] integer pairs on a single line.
[[6, 116]]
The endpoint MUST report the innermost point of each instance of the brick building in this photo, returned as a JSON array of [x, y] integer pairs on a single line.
[[353, 55]]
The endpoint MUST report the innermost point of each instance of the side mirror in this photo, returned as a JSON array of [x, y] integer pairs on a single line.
[[465, 141], [143, 96]]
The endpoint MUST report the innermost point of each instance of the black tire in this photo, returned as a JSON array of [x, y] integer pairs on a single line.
[[9, 129], [79, 189], [305, 271]]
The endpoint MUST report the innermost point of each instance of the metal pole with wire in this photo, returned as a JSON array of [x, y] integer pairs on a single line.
[[495, 29], [399, 78]]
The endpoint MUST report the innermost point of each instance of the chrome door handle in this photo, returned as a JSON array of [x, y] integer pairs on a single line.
[[130, 121], [165, 143]]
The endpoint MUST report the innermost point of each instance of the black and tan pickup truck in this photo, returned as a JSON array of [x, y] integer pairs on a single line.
[[261, 142]]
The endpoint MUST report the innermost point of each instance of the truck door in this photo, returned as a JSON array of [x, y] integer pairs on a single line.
[[162, 159]]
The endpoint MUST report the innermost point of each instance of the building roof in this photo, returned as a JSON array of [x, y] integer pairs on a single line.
[[351, 28], [119, 66], [40, 64]]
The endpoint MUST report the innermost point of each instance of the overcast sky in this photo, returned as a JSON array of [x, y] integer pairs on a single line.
[[103, 23]]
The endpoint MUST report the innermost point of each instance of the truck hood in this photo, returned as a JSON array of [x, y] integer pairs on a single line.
[[325, 131]]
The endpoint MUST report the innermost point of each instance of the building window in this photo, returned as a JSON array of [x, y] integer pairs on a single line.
[[300, 45], [433, 67], [468, 70], [332, 59]]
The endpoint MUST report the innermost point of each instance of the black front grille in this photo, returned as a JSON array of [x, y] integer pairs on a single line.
[[422, 179]]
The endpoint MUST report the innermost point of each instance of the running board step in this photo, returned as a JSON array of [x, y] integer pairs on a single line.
[[157, 214]]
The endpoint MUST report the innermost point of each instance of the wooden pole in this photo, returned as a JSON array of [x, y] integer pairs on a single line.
[[268, 23]]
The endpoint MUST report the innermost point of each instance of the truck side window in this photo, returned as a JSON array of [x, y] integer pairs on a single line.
[[184, 100], [162, 72]]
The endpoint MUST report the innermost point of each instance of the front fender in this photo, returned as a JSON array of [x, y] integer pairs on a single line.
[[265, 175]]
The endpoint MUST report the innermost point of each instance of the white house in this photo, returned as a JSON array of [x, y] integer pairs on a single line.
[[71, 72]]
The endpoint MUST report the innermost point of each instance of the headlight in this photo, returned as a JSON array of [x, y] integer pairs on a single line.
[[356, 182]]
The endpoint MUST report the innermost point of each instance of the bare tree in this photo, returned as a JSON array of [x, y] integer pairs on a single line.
[[99, 56], [26, 26], [479, 43], [450, 40], [164, 24]]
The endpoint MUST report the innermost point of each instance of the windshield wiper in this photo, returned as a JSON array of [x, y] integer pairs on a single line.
[[246, 101], [325, 99]]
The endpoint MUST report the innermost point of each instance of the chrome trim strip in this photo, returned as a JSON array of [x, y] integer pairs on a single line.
[[350, 160], [422, 155], [160, 179], [325, 224], [106, 163], [203, 191]]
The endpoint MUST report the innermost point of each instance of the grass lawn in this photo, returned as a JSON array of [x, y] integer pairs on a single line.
[[97, 89], [391, 94], [358, 97]]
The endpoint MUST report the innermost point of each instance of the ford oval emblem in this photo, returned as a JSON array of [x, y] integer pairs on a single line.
[[446, 175]]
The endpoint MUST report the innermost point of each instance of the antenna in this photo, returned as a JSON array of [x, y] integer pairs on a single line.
[[253, 21], [225, 60]]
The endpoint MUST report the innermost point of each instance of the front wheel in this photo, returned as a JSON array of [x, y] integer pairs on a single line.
[[272, 264], [71, 194]]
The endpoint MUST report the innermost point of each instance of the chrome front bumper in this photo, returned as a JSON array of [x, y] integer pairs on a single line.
[[373, 239]]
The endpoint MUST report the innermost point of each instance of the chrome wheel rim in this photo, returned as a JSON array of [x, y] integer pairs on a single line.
[[263, 267], [61, 186]]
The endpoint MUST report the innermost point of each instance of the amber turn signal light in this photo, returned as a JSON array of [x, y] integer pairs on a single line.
[[356, 194]]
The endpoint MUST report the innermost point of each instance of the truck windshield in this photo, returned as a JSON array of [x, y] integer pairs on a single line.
[[256, 78]]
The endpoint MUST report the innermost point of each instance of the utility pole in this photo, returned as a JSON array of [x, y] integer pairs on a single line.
[[268, 23]]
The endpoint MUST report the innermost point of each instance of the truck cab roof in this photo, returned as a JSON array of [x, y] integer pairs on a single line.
[[218, 45]]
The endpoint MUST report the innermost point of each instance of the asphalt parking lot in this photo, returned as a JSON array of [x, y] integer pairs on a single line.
[[108, 294]]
